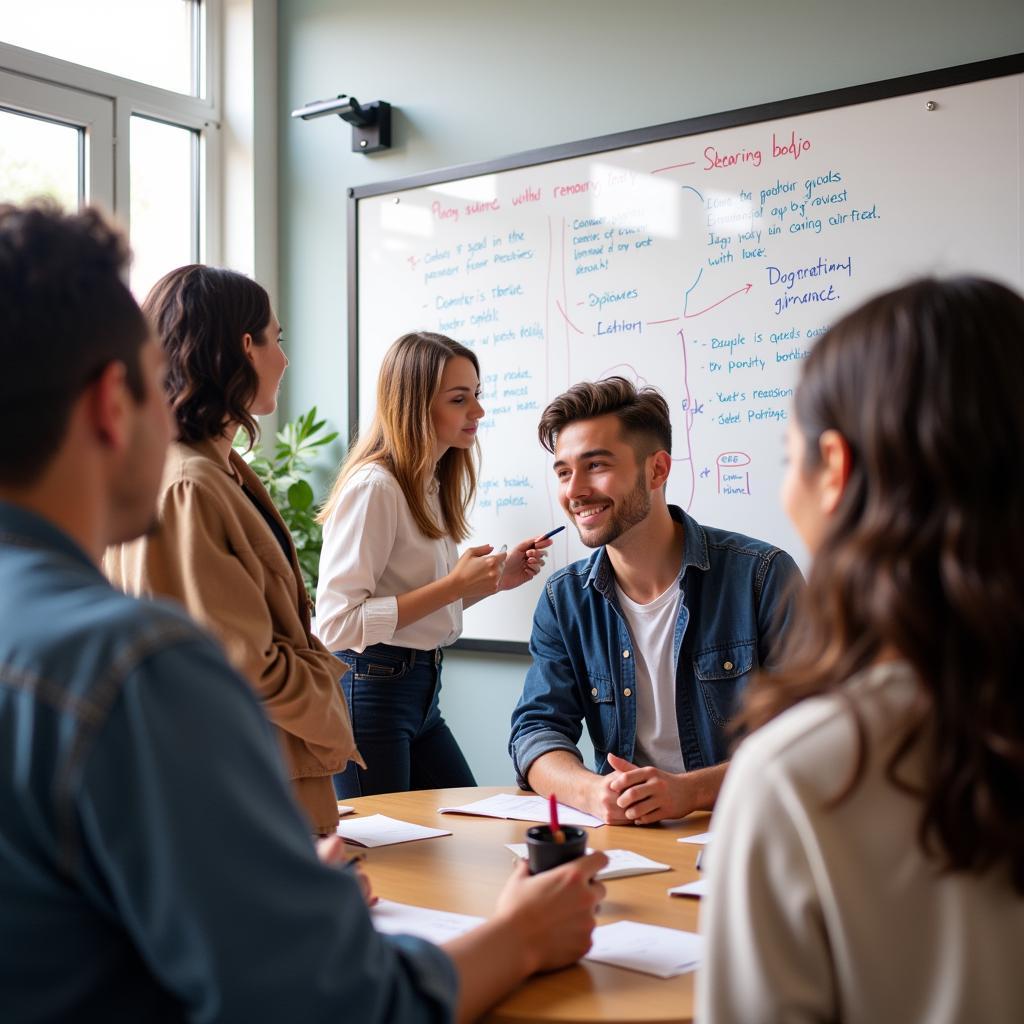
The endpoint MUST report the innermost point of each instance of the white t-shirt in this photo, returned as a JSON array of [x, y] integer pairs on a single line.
[[652, 627], [373, 551], [819, 913]]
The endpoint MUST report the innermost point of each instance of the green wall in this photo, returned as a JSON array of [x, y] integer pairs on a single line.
[[476, 80]]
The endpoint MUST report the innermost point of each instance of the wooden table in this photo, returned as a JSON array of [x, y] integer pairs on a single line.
[[464, 872]]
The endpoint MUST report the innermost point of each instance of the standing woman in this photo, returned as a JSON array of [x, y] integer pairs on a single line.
[[219, 545], [392, 585], [868, 854]]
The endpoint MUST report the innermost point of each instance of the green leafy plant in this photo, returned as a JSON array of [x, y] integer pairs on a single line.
[[284, 476]]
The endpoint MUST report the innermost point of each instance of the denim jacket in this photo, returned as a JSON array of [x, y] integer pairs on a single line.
[[733, 613], [153, 866]]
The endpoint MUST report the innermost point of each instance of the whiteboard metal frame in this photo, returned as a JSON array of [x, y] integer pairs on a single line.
[[962, 74]]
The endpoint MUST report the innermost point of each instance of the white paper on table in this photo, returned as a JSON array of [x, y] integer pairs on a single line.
[[621, 863], [698, 889], [648, 948], [380, 830], [344, 809], [701, 839], [433, 925], [523, 808]]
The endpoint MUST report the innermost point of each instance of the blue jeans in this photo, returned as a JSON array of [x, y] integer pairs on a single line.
[[392, 700]]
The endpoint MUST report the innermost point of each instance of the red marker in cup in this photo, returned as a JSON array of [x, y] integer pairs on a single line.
[[557, 835]]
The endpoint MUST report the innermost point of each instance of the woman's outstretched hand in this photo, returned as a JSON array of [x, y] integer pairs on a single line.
[[524, 561]]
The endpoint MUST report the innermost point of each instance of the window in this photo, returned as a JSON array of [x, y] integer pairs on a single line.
[[164, 37], [128, 125], [40, 157]]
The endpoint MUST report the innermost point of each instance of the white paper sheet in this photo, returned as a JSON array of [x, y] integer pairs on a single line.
[[523, 808], [433, 925], [698, 889], [700, 839], [621, 863], [380, 830], [648, 948]]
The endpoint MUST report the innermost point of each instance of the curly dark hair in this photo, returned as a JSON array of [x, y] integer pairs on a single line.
[[925, 553], [65, 315], [642, 412], [201, 315]]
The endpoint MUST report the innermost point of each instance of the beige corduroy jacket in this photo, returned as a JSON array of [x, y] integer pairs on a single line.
[[215, 553]]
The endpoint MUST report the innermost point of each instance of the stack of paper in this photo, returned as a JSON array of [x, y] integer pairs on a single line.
[[433, 925], [701, 839], [696, 889], [523, 808], [379, 830], [648, 948], [621, 863]]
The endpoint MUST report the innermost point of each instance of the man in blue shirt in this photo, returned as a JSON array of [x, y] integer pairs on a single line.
[[651, 640], [152, 863]]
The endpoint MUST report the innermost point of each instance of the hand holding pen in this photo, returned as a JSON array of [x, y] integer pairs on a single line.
[[525, 560]]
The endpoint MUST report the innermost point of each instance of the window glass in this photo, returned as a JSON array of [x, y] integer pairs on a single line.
[[39, 158], [164, 216], [149, 41]]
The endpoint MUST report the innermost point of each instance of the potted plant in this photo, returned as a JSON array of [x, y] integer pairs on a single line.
[[284, 475]]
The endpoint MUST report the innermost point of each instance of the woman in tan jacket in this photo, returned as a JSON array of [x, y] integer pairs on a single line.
[[219, 545]]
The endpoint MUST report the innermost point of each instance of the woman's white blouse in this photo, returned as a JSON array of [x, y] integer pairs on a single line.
[[373, 550]]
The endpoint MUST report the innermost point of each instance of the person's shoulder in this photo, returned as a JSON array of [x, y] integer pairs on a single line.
[[373, 476], [142, 625], [815, 744], [574, 574], [731, 542], [191, 469]]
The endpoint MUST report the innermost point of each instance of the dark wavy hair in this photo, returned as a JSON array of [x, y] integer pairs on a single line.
[[65, 315], [924, 554], [200, 315], [642, 412]]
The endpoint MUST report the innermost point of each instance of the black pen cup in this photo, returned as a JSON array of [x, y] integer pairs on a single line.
[[544, 853]]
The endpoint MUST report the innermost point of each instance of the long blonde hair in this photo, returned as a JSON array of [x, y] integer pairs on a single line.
[[401, 436]]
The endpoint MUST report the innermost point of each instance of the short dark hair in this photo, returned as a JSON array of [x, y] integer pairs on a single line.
[[65, 315], [200, 315], [642, 413]]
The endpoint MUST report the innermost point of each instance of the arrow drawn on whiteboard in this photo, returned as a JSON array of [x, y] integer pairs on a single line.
[[566, 318], [689, 316], [672, 167]]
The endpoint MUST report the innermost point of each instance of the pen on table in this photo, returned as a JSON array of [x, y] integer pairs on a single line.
[[556, 832]]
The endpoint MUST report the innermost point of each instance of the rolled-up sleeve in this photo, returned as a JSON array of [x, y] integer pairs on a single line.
[[204, 859], [359, 536], [549, 715]]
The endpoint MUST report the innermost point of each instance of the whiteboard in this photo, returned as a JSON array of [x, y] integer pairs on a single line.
[[702, 257]]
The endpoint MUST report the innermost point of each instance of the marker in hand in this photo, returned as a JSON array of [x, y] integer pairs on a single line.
[[557, 835], [551, 533]]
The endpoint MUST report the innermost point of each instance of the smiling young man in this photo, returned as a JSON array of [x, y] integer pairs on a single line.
[[650, 640]]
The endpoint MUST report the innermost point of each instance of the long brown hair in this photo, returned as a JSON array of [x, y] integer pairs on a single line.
[[201, 315], [401, 436], [924, 554]]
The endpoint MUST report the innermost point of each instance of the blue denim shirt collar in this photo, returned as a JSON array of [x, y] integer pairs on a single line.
[[695, 553], [19, 525]]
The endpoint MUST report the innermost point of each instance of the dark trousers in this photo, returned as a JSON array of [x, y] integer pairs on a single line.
[[392, 695]]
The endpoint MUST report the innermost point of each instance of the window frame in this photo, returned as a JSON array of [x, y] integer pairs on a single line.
[[35, 73]]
